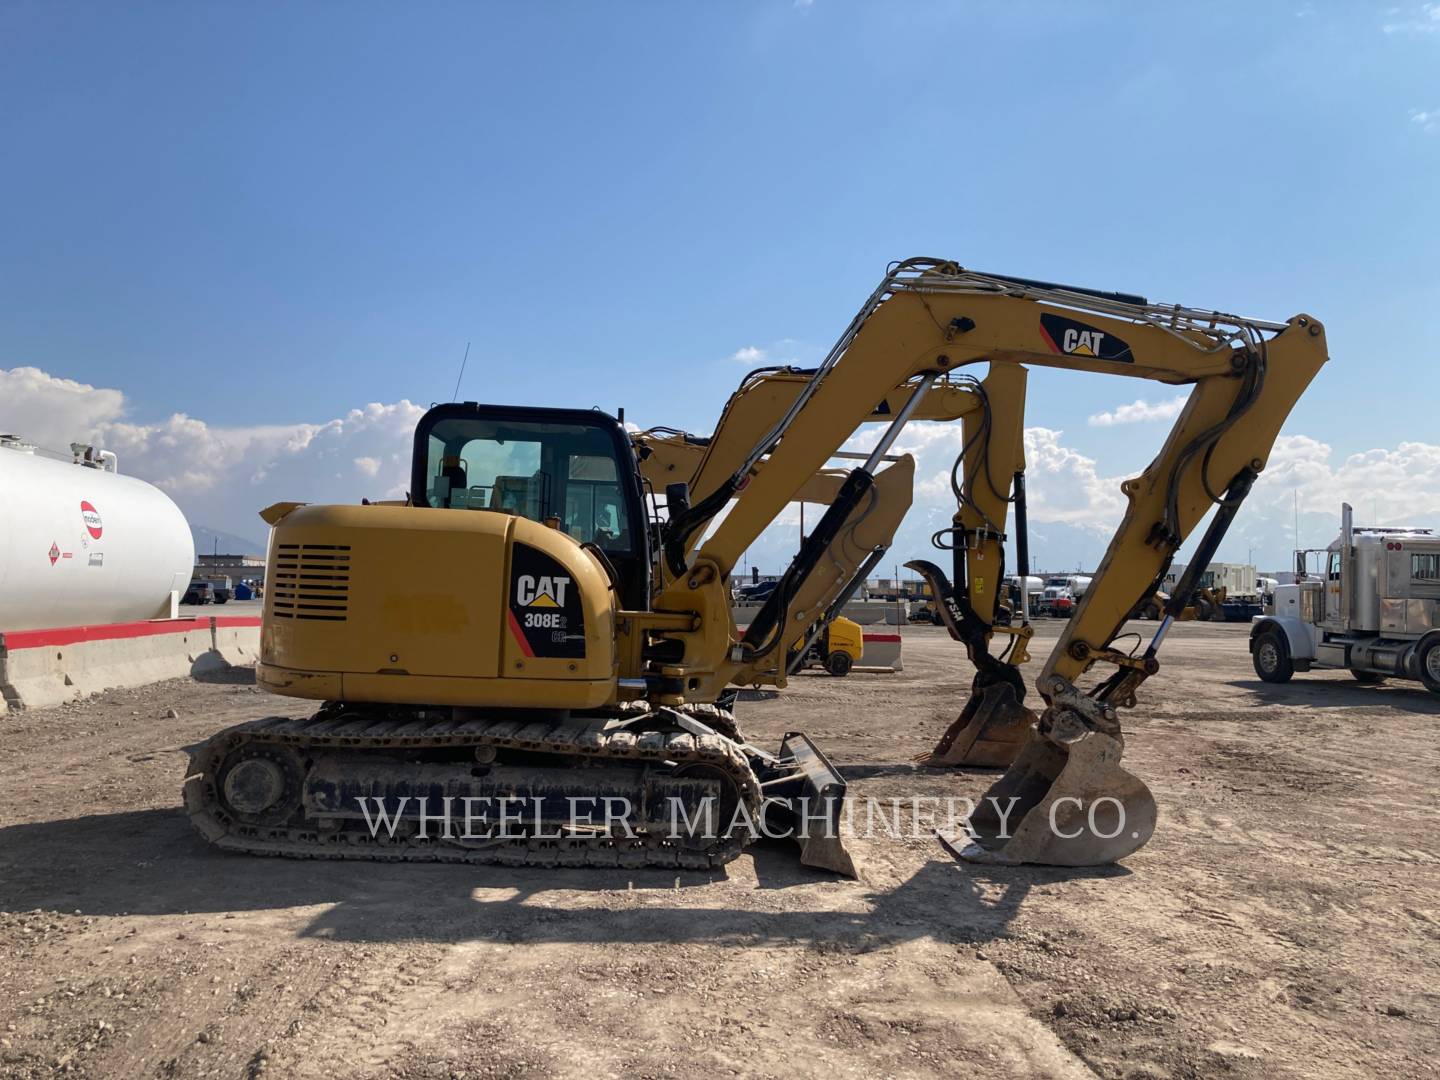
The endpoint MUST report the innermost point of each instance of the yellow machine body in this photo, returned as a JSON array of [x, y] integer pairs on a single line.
[[414, 605], [845, 636]]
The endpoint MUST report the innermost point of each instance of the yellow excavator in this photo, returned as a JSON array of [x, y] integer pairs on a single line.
[[529, 640]]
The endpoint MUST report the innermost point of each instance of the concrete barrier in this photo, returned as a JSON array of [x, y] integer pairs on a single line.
[[880, 652], [46, 667], [237, 639]]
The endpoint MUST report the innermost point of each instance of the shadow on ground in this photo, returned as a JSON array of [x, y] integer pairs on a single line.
[[1401, 694], [148, 862], [209, 668]]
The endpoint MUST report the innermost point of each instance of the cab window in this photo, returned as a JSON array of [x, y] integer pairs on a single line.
[[532, 469], [1425, 567]]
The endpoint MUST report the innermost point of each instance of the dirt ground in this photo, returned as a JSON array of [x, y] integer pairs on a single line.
[[1284, 921]]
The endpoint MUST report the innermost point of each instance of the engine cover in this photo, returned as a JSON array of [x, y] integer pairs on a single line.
[[417, 605]]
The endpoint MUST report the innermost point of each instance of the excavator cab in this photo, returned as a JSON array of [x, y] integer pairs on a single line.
[[570, 468]]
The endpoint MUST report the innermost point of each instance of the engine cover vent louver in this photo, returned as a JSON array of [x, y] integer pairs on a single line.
[[311, 581]]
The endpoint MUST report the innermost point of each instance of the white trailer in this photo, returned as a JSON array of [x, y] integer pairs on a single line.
[[1373, 609], [1237, 579], [1240, 584]]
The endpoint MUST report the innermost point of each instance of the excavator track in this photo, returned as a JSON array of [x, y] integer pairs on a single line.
[[568, 743]]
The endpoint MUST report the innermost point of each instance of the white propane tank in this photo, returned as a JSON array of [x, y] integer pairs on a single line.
[[82, 545]]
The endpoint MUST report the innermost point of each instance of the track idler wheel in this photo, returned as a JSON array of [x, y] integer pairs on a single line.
[[261, 784], [1065, 801], [989, 731]]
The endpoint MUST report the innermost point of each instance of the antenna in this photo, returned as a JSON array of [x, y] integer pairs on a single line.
[[1296, 492], [456, 395]]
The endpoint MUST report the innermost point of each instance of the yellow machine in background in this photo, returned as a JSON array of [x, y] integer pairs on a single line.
[[1205, 604], [535, 627], [838, 648]]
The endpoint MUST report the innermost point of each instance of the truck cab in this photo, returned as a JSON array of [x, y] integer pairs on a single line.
[[1372, 607]]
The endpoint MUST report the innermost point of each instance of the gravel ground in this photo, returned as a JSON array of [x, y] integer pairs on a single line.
[[1284, 921]]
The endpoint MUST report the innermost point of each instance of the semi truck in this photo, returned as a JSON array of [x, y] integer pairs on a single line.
[[1371, 607]]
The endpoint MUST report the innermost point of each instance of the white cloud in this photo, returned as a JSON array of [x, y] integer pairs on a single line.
[[53, 412], [1413, 21], [1064, 486], [1069, 501], [1427, 119], [1075, 505], [749, 354], [1138, 412], [1391, 486], [220, 476]]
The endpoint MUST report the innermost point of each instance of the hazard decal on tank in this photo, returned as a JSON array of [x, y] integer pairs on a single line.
[[1069, 337], [545, 615]]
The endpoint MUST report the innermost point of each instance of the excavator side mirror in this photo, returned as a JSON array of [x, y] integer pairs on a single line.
[[677, 499]]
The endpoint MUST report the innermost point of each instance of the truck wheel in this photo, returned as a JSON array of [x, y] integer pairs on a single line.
[[1367, 678], [839, 664], [1428, 661], [1151, 612], [1271, 657]]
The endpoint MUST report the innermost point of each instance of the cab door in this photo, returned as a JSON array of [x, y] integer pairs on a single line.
[[1335, 614]]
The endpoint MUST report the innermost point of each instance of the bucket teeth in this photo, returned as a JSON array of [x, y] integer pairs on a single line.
[[1065, 801], [989, 732]]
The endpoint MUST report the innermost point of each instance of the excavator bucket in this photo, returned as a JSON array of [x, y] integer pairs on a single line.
[[992, 727], [818, 807], [989, 731], [1065, 801]]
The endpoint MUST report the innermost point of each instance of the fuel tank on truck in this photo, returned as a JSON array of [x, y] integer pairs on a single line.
[[82, 544]]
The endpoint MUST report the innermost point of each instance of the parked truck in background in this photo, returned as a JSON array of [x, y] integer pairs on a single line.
[[1056, 598], [1227, 592], [1033, 587], [1372, 608]]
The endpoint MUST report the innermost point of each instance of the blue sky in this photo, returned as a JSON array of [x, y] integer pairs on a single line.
[[258, 217]]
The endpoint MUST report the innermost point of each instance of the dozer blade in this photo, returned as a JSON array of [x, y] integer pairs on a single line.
[[989, 732], [1064, 802], [818, 807]]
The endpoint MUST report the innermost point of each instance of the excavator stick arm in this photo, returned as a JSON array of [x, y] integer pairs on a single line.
[[1072, 759]]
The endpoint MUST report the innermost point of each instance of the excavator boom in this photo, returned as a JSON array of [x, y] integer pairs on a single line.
[[929, 319]]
